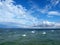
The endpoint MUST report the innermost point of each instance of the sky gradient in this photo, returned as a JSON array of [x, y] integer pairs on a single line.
[[29, 13]]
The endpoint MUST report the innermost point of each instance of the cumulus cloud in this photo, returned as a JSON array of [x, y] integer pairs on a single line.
[[15, 13], [48, 24], [11, 14]]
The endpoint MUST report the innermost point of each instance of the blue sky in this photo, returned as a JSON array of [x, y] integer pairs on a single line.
[[42, 8], [29, 12]]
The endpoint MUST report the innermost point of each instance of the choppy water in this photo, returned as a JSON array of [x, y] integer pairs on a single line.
[[29, 37]]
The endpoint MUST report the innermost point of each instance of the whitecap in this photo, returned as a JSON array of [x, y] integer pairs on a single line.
[[43, 33], [24, 35], [32, 31]]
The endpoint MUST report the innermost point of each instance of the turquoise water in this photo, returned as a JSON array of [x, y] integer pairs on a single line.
[[29, 37]]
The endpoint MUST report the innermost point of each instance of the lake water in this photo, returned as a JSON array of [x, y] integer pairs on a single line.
[[29, 37]]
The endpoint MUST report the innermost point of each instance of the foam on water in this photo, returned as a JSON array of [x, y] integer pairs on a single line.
[[24, 35], [43, 33], [32, 31]]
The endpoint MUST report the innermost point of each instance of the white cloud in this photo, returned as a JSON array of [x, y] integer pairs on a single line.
[[48, 24], [52, 24], [21, 16], [45, 9], [16, 14], [54, 2], [53, 13], [49, 6]]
